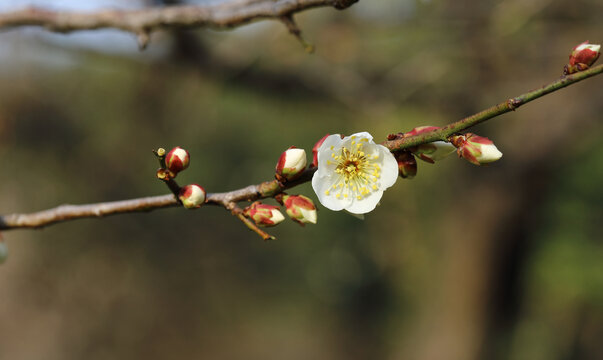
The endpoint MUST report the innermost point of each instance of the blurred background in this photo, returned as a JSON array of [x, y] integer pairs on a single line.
[[496, 262]]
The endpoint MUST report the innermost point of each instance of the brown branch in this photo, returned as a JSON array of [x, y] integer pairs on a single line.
[[271, 188], [142, 22], [72, 212]]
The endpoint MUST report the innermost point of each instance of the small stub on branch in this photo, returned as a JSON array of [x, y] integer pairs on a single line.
[[296, 31], [143, 38]]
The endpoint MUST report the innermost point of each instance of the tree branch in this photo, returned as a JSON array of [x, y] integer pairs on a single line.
[[71, 212], [496, 110], [142, 22], [271, 188]]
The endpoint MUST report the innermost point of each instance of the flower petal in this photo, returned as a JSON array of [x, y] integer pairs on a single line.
[[361, 135], [323, 184], [389, 167], [367, 204]]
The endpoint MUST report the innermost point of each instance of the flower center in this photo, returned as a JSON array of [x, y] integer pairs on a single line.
[[357, 173]]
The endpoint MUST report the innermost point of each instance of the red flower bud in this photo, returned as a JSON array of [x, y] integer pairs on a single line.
[[264, 215], [476, 149], [582, 57], [300, 209], [177, 160], [315, 151], [291, 164], [192, 196]]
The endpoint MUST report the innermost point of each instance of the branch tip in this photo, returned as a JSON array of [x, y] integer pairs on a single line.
[[252, 226], [296, 31]]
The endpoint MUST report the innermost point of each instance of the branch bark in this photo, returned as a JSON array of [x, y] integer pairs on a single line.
[[271, 188], [144, 21]]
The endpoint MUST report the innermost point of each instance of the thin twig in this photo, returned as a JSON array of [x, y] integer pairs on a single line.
[[253, 227], [496, 110], [271, 188], [144, 21]]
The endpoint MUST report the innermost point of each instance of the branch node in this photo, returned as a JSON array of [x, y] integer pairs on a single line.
[[513, 104]]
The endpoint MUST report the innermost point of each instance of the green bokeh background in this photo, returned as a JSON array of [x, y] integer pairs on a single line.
[[496, 262]]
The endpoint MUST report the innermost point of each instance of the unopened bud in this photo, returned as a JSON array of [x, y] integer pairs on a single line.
[[407, 164], [476, 149], [291, 164], [300, 209], [264, 215], [582, 57], [315, 151], [177, 160], [192, 196], [433, 151]]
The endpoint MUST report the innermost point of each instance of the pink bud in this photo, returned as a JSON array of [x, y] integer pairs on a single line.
[[315, 151], [264, 215], [192, 196], [300, 209], [407, 164], [177, 160], [582, 57], [476, 149], [291, 164], [421, 130]]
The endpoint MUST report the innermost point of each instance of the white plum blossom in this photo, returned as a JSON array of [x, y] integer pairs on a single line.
[[353, 172]]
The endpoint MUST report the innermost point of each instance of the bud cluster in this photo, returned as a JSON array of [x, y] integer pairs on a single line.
[[191, 196], [428, 152], [476, 149], [299, 208]]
